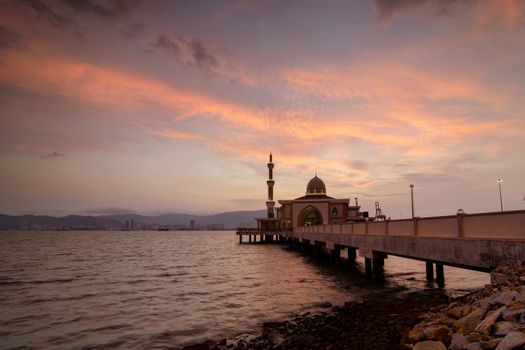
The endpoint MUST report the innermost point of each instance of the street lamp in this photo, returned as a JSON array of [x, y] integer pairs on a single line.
[[500, 198], [412, 198]]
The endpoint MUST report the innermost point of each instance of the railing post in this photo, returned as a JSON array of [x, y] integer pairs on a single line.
[[461, 233]]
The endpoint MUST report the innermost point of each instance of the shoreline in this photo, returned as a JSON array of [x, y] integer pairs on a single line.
[[368, 324], [490, 318]]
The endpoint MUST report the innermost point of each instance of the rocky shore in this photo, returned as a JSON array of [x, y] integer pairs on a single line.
[[373, 324], [491, 318]]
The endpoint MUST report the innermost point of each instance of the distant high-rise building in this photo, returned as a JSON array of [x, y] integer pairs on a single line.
[[132, 225], [192, 224]]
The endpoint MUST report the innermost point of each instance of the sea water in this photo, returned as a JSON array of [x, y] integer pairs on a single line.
[[143, 290]]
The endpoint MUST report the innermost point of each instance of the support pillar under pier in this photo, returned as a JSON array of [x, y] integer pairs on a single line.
[[351, 254], [378, 262], [335, 255], [430, 271], [368, 267], [440, 275], [250, 238], [240, 239]]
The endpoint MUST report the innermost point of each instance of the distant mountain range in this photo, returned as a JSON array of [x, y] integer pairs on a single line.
[[228, 219]]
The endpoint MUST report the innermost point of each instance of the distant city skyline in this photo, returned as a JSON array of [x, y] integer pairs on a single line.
[[158, 107]]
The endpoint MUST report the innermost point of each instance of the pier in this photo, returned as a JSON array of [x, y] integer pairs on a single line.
[[473, 241], [317, 222]]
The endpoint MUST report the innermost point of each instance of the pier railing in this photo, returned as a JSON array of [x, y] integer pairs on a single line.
[[508, 225]]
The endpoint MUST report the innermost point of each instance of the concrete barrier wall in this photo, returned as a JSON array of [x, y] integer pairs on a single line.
[[500, 226], [347, 229], [446, 227], [506, 225], [377, 228], [360, 229], [401, 228]]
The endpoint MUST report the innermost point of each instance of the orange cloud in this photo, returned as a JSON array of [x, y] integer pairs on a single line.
[[178, 135]]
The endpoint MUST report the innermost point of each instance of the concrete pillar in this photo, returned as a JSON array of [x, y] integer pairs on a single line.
[[351, 254], [240, 239], [318, 250], [430, 271], [249, 238], [378, 262], [335, 255], [440, 275], [368, 267]]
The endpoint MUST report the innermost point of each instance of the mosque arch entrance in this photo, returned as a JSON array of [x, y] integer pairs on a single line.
[[310, 216]]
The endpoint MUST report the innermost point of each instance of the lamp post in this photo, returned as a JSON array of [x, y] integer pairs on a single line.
[[500, 198], [412, 198]]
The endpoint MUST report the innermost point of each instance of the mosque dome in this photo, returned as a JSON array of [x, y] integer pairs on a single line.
[[316, 186]]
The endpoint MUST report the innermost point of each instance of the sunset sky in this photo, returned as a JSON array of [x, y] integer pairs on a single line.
[[173, 106]]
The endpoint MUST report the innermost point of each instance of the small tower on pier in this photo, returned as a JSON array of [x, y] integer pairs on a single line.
[[270, 204]]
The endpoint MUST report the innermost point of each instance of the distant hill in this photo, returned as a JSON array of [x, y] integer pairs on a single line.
[[228, 219], [44, 221]]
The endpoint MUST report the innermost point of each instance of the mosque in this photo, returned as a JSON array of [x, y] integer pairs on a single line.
[[314, 208]]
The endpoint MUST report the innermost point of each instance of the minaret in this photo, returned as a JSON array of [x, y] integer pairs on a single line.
[[270, 204]]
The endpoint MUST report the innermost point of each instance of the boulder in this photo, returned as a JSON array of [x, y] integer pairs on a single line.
[[514, 315], [458, 341], [502, 328], [456, 312], [472, 346], [505, 298], [416, 334], [437, 332], [468, 323], [498, 278], [511, 341], [430, 345], [491, 344], [487, 323]]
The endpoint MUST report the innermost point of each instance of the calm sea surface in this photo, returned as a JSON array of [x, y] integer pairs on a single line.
[[142, 290]]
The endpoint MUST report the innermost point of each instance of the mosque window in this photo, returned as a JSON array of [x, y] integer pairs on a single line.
[[334, 212]]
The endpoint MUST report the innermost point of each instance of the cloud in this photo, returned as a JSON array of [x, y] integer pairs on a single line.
[[48, 14], [109, 9], [379, 195], [386, 9], [178, 135], [10, 39], [133, 30], [192, 52], [52, 155]]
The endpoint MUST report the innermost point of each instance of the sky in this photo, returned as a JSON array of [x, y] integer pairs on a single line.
[[173, 106]]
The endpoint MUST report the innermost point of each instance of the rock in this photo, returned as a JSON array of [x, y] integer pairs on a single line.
[[487, 323], [514, 315], [498, 278], [416, 335], [458, 341], [456, 312], [491, 344], [469, 322], [505, 298], [472, 346], [502, 328], [511, 341], [430, 345], [437, 332]]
